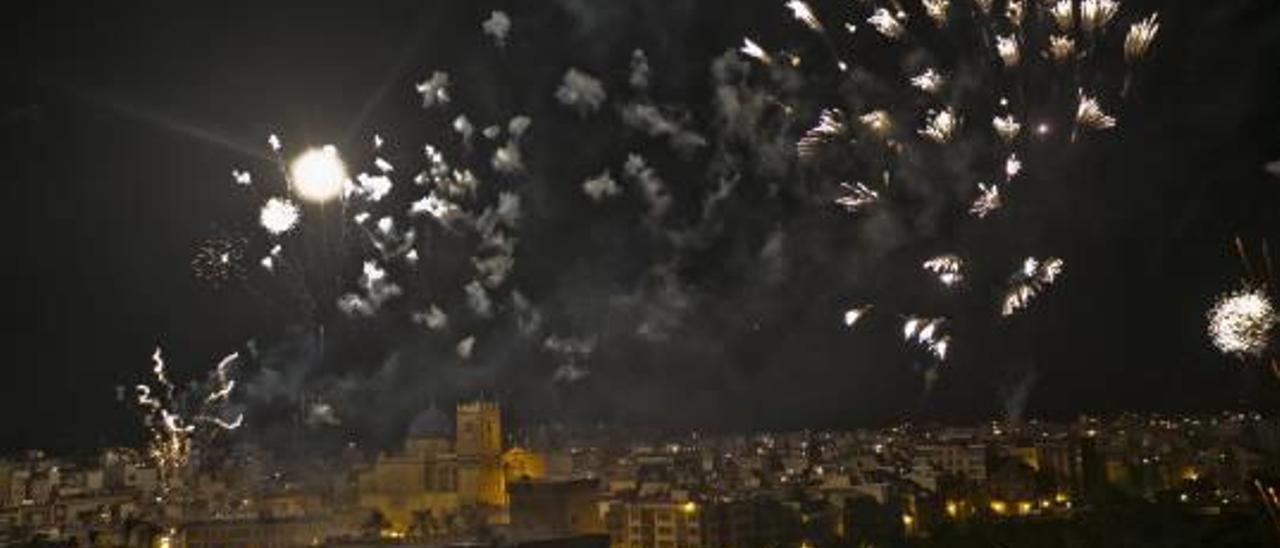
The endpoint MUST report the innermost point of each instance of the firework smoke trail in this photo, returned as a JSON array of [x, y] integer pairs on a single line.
[[174, 420]]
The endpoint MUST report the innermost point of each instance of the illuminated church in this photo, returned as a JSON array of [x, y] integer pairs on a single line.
[[446, 467]]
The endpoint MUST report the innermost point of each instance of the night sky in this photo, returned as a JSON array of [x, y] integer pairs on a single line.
[[122, 124]]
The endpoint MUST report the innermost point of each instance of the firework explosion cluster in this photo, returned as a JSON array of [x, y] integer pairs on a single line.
[[1241, 322], [1025, 66], [179, 420], [915, 125]]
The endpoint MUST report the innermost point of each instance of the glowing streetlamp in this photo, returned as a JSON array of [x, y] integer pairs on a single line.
[[318, 174]]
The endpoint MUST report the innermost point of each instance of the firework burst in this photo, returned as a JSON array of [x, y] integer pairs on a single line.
[[1061, 48], [1241, 322], [178, 422], [987, 202], [754, 51], [947, 268], [830, 126], [1139, 38], [1089, 114], [1034, 277], [803, 13], [878, 121], [940, 126], [279, 216], [1007, 48], [855, 197], [928, 81], [219, 259], [1095, 15], [886, 24]]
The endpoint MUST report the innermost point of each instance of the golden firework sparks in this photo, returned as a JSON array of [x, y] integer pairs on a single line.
[[940, 125], [1139, 38], [1061, 48]]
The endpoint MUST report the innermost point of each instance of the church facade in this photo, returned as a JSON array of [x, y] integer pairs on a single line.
[[447, 471]]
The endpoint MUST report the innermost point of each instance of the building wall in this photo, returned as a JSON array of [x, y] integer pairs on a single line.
[[558, 508], [654, 524], [479, 448]]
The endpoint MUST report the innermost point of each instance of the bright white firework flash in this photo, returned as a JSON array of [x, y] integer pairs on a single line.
[[925, 332], [856, 197], [948, 269], [1034, 277], [1007, 48], [929, 81], [242, 178], [852, 315], [803, 13], [318, 174], [754, 51], [278, 216], [1138, 40], [1241, 322], [940, 125], [1007, 127], [434, 206], [886, 24], [987, 202], [1012, 166]]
